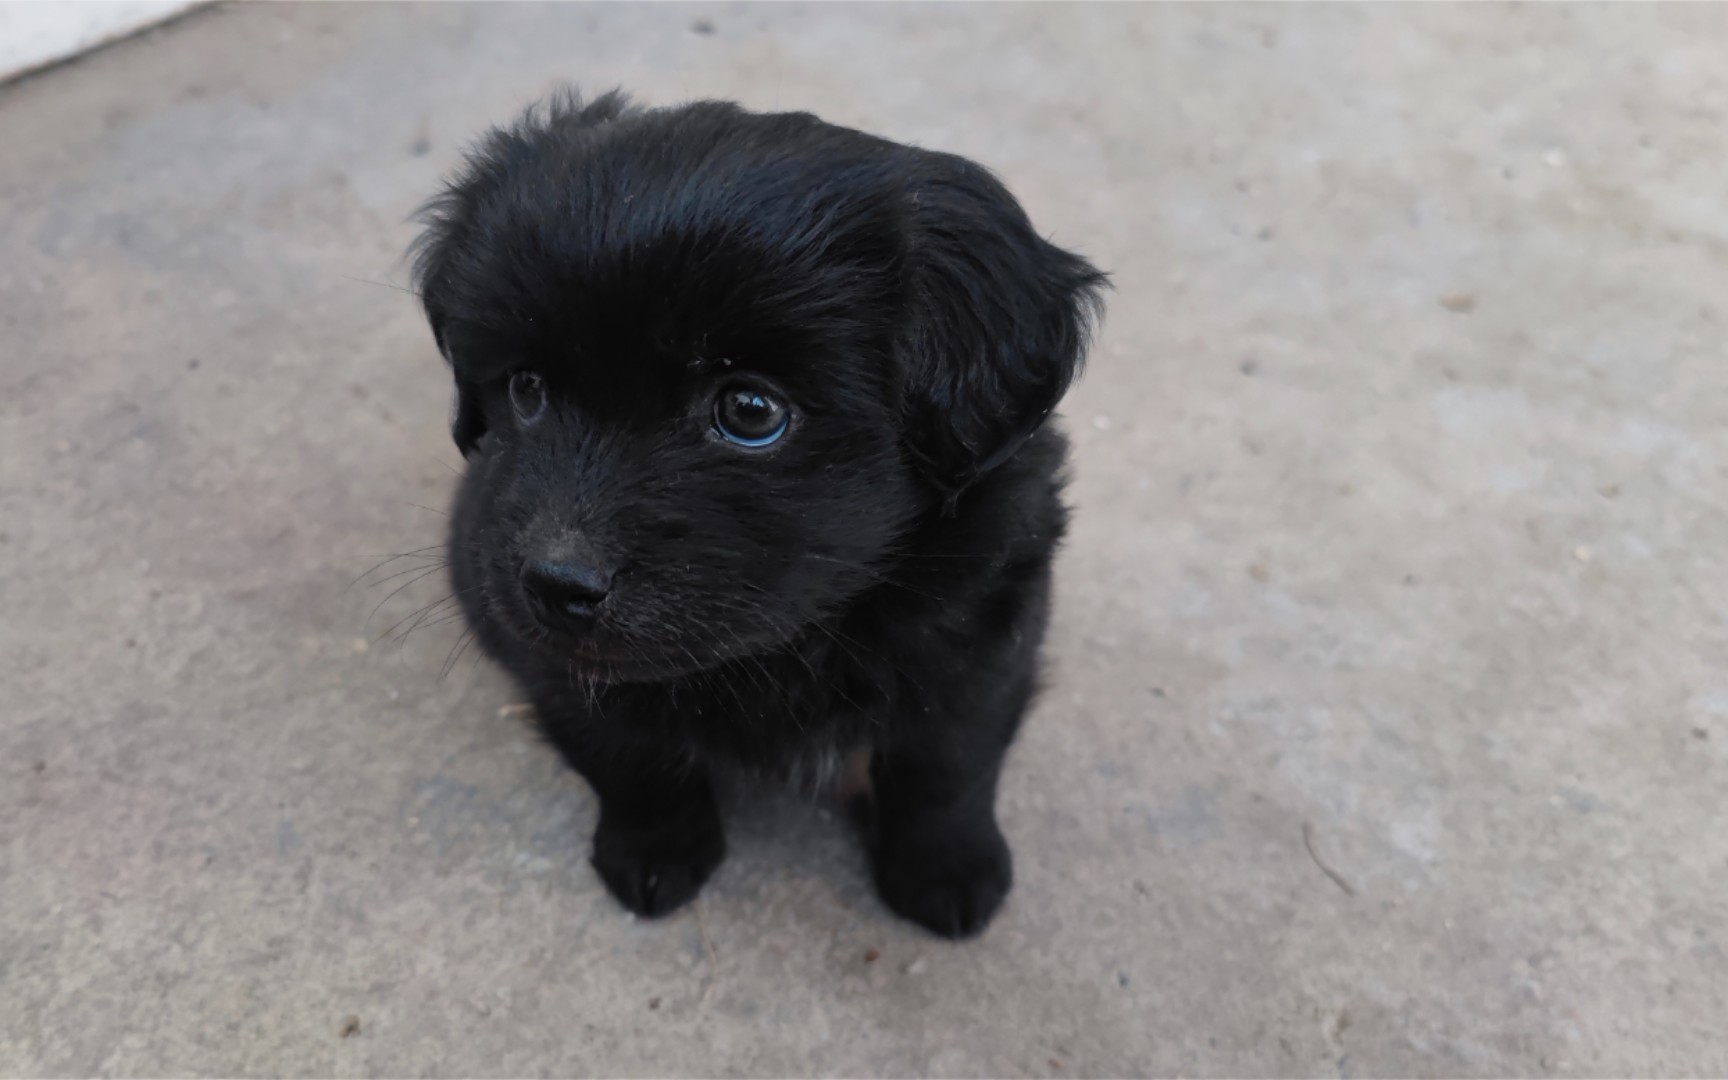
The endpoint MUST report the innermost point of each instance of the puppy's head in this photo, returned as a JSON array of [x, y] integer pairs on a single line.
[[713, 366]]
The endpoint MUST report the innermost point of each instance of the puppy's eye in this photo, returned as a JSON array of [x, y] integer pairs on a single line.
[[749, 417], [527, 396]]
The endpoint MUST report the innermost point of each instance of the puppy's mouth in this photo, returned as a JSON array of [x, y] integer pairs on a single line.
[[598, 654], [591, 660], [592, 649], [591, 656]]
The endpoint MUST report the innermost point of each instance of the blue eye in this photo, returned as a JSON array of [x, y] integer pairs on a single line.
[[749, 417]]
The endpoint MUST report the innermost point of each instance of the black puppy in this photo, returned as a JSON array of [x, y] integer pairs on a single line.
[[760, 474]]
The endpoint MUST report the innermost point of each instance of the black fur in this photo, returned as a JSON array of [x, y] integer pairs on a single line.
[[878, 579]]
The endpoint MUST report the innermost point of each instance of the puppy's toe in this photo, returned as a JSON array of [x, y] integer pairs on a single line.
[[655, 870], [952, 889]]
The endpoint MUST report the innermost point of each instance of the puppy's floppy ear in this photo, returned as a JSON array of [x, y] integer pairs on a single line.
[[1001, 322], [467, 418]]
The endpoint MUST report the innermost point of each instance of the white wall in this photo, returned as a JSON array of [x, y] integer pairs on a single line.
[[40, 32]]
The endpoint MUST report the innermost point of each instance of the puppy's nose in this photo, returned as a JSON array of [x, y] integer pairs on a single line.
[[565, 594]]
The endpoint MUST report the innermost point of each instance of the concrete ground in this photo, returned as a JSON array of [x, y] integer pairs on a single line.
[[1389, 726]]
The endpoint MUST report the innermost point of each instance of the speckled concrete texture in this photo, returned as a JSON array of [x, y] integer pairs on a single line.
[[1388, 731]]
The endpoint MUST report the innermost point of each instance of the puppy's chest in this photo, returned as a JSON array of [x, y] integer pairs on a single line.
[[794, 718]]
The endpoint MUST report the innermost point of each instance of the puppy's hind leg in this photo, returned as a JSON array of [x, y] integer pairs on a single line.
[[659, 836]]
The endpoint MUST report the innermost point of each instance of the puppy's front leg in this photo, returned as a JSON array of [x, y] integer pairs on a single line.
[[940, 858], [659, 836]]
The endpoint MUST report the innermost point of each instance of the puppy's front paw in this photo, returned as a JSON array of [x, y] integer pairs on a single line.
[[655, 868], [950, 884]]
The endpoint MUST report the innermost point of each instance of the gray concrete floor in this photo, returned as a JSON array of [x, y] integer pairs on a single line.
[[1389, 730]]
